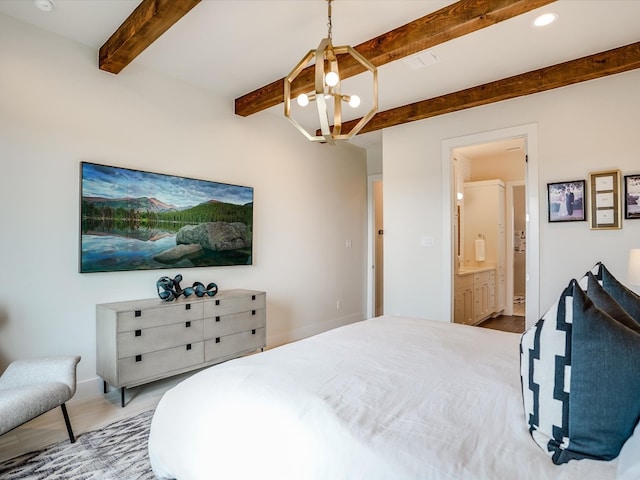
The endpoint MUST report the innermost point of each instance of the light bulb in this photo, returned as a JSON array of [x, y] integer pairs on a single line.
[[303, 100], [354, 101], [332, 79]]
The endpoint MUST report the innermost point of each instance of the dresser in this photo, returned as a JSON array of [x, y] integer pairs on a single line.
[[139, 341]]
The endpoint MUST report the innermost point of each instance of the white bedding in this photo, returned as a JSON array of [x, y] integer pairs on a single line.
[[387, 398]]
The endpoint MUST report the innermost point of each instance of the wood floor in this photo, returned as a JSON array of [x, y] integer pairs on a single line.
[[509, 323], [506, 323]]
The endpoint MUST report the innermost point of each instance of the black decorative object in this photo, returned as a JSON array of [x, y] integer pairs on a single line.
[[169, 288]]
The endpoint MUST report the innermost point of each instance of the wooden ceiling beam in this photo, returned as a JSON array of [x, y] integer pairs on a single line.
[[594, 66], [146, 23], [448, 23]]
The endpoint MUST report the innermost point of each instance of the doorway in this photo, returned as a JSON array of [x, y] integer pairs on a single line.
[[516, 248], [375, 276], [528, 135]]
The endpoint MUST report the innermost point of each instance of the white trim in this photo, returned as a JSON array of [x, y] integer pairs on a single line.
[[530, 134], [371, 246], [508, 299]]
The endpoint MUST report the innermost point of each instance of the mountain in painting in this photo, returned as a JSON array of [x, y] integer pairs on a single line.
[[140, 204]]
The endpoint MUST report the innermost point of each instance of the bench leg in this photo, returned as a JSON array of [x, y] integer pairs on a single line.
[[72, 439]]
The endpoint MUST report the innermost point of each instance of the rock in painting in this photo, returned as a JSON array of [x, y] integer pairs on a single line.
[[217, 236], [179, 252]]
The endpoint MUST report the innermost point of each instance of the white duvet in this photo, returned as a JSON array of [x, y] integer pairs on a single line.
[[389, 398]]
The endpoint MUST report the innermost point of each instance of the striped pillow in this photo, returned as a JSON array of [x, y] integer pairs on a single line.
[[579, 379]]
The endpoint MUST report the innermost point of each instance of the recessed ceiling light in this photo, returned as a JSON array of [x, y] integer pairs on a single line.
[[45, 5], [545, 19]]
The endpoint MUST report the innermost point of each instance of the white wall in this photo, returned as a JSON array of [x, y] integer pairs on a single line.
[[581, 128], [58, 109]]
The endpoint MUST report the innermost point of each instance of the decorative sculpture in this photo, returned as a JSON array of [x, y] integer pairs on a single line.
[[169, 289]]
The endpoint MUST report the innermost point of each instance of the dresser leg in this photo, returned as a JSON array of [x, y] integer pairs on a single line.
[[104, 386], [122, 396]]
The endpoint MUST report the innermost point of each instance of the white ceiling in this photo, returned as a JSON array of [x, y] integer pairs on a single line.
[[235, 46]]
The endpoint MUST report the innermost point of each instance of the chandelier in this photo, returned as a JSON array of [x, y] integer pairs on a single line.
[[327, 93]]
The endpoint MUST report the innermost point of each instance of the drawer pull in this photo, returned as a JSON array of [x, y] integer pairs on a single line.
[[253, 312], [187, 306], [187, 324], [138, 313], [138, 333], [138, 358], [253, 297], [188, 346], [217, 319], [217, 302], [253, 332], [217, 339]]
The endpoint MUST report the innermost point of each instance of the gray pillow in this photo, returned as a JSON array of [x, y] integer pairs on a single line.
[[606, 303], [627, 299]]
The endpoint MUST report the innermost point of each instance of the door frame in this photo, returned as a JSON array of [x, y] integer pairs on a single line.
[[371, 245], [510, 230], [530, 134]]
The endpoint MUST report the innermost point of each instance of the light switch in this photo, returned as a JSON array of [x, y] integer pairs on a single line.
[[426, 241]]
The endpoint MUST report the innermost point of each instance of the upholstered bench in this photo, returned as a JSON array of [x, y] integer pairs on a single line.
[[31, 387]]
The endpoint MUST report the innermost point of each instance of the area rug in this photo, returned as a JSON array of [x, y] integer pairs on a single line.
[[116, 452]]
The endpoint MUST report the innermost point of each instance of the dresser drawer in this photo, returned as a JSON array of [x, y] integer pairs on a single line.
[[219, 347], [232, 304], [155, 317], [147, 340], [234, 323], [159, 363]]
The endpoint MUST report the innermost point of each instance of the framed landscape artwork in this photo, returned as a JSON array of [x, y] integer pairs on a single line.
[[566, 201], [136, 220]]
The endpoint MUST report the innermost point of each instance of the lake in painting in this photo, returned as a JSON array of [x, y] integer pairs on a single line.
[[135, 220]]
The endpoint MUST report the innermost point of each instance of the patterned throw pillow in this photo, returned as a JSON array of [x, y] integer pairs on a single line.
[[579, 380]]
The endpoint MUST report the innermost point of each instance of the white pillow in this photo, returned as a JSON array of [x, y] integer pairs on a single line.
[[629, 458]]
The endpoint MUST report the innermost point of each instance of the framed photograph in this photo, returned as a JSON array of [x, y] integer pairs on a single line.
[[604, 205], [135, 220], [565, 201], [632, 196]]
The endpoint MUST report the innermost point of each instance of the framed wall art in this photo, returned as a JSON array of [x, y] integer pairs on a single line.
[[136, 220], [632, 196], [604, 206], [565, 201]]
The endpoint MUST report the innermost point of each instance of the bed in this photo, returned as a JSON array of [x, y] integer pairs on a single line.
[[385, 398]]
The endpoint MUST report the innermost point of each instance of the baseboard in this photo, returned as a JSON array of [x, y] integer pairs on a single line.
[[310, 330], [88, 389]]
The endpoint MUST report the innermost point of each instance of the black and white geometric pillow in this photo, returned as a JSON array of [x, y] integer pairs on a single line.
[[545, 364], [580, 379]]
